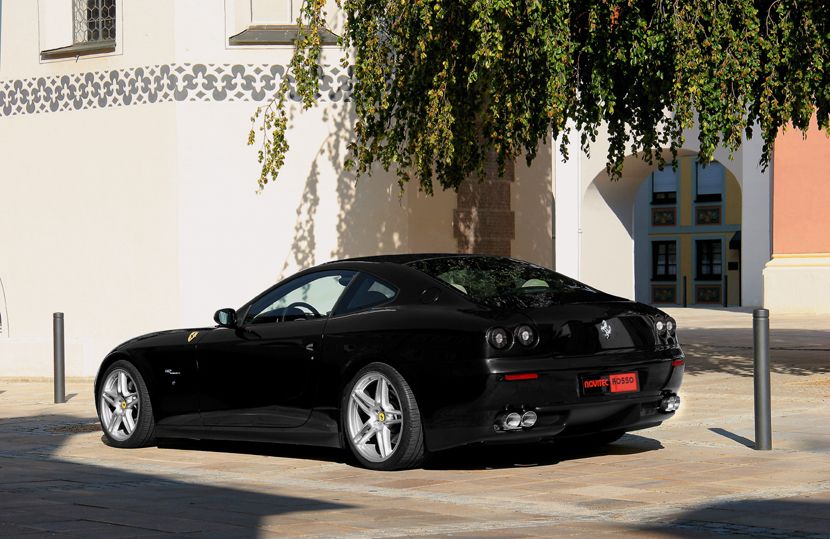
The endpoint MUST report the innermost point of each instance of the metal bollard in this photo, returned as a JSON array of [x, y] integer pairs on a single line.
[[57, 339], [763, 420]]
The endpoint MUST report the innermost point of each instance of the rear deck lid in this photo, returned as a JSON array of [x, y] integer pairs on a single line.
[[589, 328]]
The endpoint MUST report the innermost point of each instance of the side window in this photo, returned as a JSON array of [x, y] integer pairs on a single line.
[[309, 297], [368, 292]]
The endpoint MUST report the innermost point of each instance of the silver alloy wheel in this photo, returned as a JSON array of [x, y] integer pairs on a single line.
[[374, 417], [119, 405]]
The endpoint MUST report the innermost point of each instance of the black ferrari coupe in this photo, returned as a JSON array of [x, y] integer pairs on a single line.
[[397, 356]]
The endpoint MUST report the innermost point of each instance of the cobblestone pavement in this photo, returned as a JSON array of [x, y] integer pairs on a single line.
[[695, 476]]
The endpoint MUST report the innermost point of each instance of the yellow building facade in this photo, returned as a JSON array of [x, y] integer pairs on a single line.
[[688, 236]]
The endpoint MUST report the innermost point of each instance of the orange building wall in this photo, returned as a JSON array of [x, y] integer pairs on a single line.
[[801, 193]]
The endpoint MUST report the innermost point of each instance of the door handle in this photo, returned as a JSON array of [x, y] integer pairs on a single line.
[[171, 372], [310, 347]]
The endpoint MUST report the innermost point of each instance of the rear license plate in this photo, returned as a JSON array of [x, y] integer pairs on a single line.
[[626, 382]]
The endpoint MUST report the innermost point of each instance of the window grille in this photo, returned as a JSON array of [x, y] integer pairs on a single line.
[[709, 260], [93, 20], [663, 260]]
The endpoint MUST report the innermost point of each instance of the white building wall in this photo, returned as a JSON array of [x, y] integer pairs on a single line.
[[756, 232], [84, 229], [139, 211], [132, 206]]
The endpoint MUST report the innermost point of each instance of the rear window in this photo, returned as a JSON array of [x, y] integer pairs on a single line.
[[503, 281]]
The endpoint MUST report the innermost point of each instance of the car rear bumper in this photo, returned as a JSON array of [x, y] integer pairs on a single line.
[[556, 398]]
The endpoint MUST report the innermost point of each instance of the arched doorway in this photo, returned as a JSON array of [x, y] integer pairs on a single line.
[[595, 228], [687, 236]]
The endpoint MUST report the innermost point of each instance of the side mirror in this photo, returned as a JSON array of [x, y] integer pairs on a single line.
[[226, 318]]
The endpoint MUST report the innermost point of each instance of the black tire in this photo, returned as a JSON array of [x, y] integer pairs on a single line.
[[409, 451], [145, 426]]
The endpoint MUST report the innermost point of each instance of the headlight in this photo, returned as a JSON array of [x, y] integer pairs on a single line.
[[498, 338], [525, 335]]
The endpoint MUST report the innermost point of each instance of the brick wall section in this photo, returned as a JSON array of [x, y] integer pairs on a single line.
[[483, 222]]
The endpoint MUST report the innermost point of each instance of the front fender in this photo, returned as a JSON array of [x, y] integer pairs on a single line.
[[139, 363]]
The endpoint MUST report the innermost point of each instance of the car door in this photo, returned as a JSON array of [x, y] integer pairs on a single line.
[[259, 373]]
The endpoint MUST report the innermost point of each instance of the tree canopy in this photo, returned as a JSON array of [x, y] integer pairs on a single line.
[[438, 84]]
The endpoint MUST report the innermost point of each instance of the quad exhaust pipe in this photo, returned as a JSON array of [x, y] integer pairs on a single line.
[[517, 421], [670, 403]]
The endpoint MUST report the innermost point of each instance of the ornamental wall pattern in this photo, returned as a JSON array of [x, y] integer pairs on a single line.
[[159, 84]]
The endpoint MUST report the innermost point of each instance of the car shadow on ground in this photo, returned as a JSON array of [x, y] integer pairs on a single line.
[[488, 457], [305, 452], [792, 351], [803, 517], [41, 492], [474, 457]]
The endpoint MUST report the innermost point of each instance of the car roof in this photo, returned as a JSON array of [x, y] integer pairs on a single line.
[[408, 258]]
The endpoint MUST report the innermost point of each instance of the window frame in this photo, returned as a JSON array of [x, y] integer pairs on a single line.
[[80, 49], [655, 211], [669, 200], [699, 275], [705, 208], [655, 286], [242, 30], [655, 244]]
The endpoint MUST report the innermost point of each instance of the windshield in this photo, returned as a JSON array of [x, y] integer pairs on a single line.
[[502, 281]]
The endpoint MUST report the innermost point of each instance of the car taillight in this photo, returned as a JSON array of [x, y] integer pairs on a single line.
[[521, 376], [525, 335], [498, 338]]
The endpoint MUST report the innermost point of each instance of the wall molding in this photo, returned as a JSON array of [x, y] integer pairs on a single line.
[[163, 83]]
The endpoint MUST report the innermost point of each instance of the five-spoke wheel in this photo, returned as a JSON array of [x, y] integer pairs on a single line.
[[124, 406], [382, 424], [119, 405], [375, 420]]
